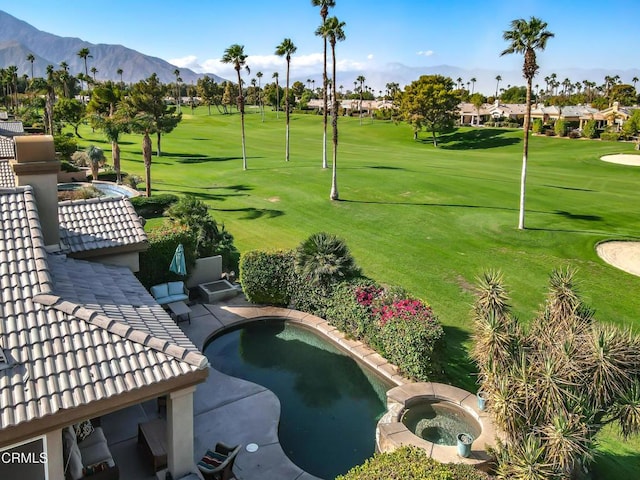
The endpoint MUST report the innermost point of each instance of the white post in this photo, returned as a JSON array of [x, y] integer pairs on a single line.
[[180, 432]]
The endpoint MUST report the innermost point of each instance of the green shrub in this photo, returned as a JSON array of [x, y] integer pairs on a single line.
[[589, 129], [610, 136], [410, 334], [266, 277], [410, 463], [149, 207], [309, 297], [574, 134], [560, 128], [536, 126], [65, 145], [66, 166], [155, 261], [211, 238], [347, 314]]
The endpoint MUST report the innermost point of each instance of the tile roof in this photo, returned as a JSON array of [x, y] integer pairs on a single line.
[[11, 128], [7, 178], [74, 332], [7, 147], [99, 223]]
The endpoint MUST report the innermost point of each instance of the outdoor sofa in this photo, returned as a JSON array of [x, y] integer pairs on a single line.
[[170, 292]]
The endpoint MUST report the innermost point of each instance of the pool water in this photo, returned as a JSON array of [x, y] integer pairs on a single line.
[[330, 404], [439, 422], [107, 189]]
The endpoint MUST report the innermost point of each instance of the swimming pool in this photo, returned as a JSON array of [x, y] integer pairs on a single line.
[[330, 404], [108, 189]]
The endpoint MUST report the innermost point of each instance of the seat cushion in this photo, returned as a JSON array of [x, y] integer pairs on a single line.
[[96, 453], [176, 288], [74, 463], [160, 291], [97, 436]]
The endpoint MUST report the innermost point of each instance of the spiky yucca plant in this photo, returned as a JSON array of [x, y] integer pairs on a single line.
[[551, 389]]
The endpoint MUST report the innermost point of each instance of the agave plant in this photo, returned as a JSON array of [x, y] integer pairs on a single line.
[[324, 259]]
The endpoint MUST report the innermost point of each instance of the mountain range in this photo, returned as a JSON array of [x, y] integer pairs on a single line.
[[19, 39]]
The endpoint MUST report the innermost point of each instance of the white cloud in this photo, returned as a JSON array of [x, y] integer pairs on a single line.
[[425, 53], [190, 61], [370, 56], [301, 65]]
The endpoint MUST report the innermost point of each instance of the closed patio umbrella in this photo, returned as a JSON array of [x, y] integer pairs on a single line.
[[177, 262]]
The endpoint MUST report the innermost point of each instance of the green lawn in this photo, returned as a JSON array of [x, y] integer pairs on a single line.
[[428, 219]]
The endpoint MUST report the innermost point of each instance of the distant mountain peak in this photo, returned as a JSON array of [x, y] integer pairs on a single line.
[[18, 39]]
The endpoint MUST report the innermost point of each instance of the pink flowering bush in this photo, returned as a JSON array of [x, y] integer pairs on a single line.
[[405, 309], [402, 329]]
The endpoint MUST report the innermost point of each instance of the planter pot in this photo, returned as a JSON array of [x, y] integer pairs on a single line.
[[482, 400], [464, 444]]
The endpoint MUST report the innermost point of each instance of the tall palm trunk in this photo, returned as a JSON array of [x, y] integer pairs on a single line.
[[115, 154], [158, 137], [286, 104], [241, 108], [525, 155], [334, 124], [325, 104], [146, 155]]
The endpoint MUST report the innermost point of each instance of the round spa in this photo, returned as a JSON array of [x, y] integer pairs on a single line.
[[439, 421], [431, 416]]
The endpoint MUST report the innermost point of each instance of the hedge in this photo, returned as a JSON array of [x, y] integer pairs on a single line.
[[610, 136], [266, 277], [155, 261], [411, 463], [149, 207]]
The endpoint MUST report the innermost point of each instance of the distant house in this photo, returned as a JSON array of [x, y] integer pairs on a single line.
[[615, 115], [80, 337], [569, 113], [491, 112]]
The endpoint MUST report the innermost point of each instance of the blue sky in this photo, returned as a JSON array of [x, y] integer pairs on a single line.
[[415, 33]]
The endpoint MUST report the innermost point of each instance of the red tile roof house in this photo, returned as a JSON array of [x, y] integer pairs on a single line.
[[79, 338]]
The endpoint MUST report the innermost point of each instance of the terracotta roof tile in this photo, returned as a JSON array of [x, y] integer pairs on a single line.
[[74, 331], [99, 223]]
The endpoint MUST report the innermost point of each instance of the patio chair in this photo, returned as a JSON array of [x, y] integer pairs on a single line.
[[218, 464]]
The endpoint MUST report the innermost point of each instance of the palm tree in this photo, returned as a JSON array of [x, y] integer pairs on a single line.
[[119, 72], [525, 38], [324, 11], [259, 75], [473, 84], [459, 82], [498, 80], [84, 53], [176, 72], [634, 80], [236, 56], [332, 29], [324, 259], [96, 160], [94, 70], [31, 58], [361, 81], [286, 49], [276, 75]]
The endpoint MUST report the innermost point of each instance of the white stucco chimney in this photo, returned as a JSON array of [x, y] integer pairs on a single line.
[[36, 165]]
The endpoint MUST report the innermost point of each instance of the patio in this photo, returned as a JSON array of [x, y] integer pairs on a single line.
[[226, 409]]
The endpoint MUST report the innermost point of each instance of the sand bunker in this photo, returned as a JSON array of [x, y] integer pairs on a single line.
[[622, 255], [623, 159]]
